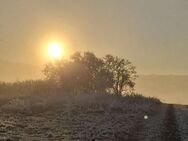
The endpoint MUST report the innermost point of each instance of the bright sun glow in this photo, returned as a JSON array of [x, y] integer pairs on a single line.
[[55, 51]]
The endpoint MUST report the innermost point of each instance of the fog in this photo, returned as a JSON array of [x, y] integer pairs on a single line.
[[169, 88]]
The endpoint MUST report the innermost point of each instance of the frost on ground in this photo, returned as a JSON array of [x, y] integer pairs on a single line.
[[153, 125], [182, 118], [84, 118]]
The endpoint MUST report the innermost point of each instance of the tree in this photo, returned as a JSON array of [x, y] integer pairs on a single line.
[[86, 73], [50, 71], [99, 79], [123, 72], [73, 77], [82, 73]]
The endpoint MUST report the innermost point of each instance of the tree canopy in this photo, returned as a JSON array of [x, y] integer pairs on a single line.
[[87, 73]]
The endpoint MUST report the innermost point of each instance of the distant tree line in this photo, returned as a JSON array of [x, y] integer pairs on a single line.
[[87, 73]]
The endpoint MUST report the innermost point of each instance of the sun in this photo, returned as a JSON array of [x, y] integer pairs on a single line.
[[55, 51]]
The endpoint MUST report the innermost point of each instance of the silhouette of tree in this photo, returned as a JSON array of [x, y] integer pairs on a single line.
[[98, 78], [90, 74], [74, 77], [123, 72], [50, 71]]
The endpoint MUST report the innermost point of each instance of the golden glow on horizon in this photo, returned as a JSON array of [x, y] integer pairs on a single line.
[[55, 51]]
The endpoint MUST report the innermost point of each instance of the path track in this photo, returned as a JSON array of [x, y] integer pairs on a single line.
[[170, 130]]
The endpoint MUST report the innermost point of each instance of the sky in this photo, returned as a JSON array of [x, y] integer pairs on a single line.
[[152, 34], [168, 88]]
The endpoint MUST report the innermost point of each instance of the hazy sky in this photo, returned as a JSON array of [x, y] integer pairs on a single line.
[[153, 34]]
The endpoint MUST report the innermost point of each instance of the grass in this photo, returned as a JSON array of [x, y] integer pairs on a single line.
[[37, 109]]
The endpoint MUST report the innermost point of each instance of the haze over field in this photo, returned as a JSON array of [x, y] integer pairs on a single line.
[[90, 70], [168, 88], [153, 35]]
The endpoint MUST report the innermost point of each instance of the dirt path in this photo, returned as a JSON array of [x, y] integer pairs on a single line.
[[170, 131]]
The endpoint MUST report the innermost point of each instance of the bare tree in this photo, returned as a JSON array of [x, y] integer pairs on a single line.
[[123, 72]]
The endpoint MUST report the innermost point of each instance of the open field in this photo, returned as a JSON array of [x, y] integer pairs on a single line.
[[85, 118]]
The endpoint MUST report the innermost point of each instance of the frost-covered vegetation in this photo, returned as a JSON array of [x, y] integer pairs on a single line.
[[182, 116], [62, 116], [85, 98], [34, 110]]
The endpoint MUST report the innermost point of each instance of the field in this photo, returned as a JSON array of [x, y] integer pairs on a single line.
[[36, 115], [74, 117]]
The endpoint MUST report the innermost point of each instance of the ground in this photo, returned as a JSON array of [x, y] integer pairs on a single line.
[[91, 119]]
